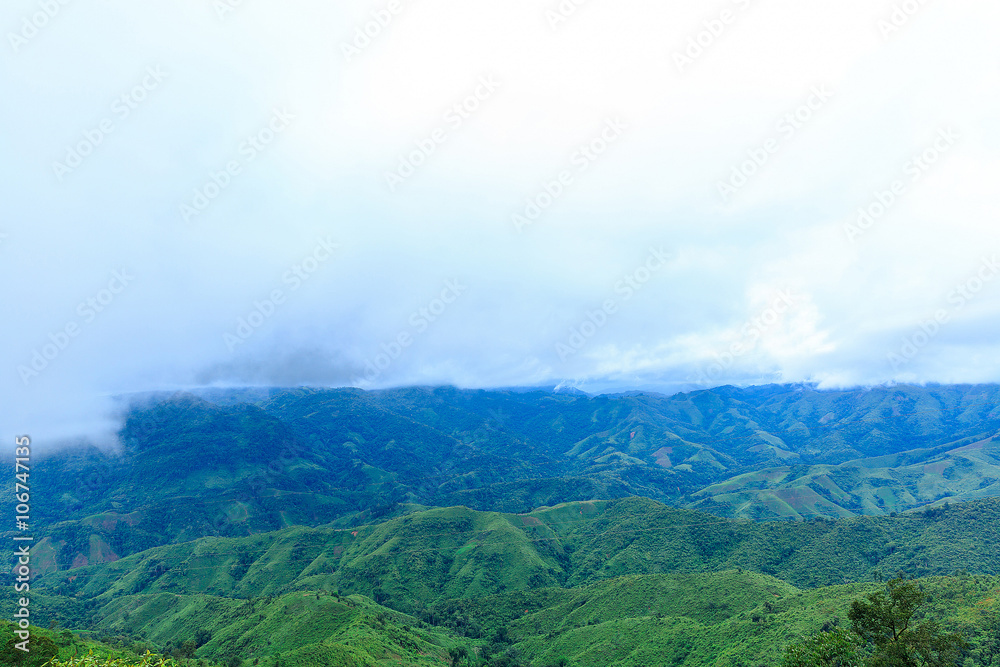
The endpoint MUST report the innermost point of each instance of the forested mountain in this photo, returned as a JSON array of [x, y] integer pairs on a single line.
[[189, 467], [630, 579], [442, 526]]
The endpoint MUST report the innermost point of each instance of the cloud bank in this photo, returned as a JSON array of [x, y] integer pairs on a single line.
[[607, 195]]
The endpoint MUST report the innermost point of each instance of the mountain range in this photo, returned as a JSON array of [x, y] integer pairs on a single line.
[[440, 525]]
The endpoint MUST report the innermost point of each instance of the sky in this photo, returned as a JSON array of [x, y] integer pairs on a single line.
[[590, 194]]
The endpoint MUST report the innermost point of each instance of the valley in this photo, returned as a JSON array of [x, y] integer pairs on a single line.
[[448, 527]]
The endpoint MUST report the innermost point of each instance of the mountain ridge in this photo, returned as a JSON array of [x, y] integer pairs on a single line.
[[189, 467]]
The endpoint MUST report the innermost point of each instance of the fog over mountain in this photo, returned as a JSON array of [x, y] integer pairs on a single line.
[[602, 196]]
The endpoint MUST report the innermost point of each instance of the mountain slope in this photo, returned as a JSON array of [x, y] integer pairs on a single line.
[[414, 561], [190, 468]]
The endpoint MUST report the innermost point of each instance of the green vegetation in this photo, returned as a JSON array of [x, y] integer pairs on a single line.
[[147, 660], [280, 528], [64, 646], [884, 633], [584, 582], [885, 622], [834, 648], [190, 468], [412, 561]]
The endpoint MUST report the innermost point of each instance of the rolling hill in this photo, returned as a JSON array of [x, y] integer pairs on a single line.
[[630, 582], [254, 462], [441, 526]]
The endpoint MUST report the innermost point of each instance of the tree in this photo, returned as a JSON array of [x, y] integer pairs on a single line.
[[457, 654], [884, 633], [836, 648], [885, 623], [188, 648], [90, 660], [42, 649]]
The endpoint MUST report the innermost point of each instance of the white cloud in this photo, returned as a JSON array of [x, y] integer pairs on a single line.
[[657, 185]]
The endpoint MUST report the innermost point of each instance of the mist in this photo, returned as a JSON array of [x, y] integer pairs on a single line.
[[604, 196]]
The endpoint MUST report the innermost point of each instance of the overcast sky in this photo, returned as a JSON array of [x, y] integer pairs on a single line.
[[610, 195]]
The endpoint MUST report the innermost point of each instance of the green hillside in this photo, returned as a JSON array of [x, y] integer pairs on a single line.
[[435, 526], [727, 618], [732, 617], [296, 629], [457, 552], [304, 628], [885, 484], [54, 643], [245, 463], [557, 581]]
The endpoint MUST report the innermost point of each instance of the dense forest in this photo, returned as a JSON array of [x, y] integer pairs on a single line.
[[765, 526]]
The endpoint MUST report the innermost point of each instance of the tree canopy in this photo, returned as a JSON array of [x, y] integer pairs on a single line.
[[885, 632]]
